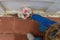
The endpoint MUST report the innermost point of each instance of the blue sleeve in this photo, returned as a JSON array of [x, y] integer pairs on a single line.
[[44, 21]]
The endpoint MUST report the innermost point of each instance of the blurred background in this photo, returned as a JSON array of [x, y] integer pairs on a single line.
[[42, 7]]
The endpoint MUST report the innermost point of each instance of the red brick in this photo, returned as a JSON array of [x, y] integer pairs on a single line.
[[7, 37], [6, 25], [18, 26], [20, 37], [25, 26]]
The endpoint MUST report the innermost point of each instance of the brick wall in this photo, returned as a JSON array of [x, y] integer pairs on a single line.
[[13, 28], [16, 26]]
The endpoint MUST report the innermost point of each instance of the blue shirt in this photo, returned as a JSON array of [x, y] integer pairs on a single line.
[[45, 23]]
